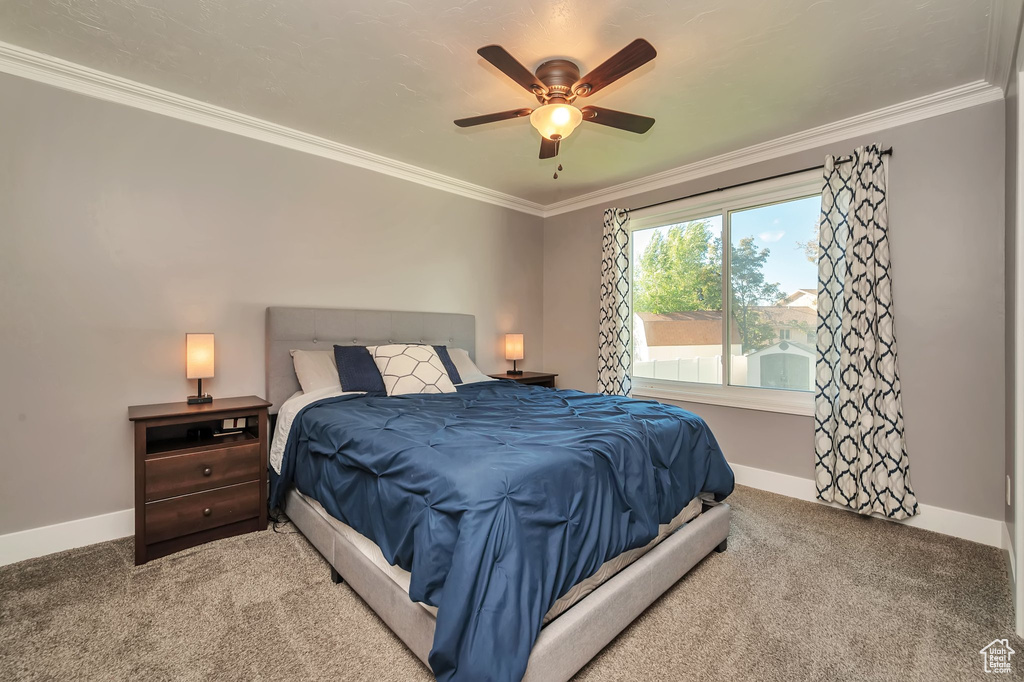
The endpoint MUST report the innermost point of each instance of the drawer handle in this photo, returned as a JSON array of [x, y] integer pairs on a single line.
[[207, 471], [207, 511]]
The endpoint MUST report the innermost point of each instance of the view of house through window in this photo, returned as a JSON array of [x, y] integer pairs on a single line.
[[677, 301], [770, 302], [773, 274]]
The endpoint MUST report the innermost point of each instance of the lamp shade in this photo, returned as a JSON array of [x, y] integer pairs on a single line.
[[513, 346], [198, 356], [556, 121]]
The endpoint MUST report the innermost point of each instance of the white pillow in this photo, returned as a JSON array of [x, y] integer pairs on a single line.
[[316, 369], [467, 369], [408, 368]]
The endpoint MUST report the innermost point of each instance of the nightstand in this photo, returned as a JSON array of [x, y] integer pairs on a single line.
[[200, 473], [533, 378]]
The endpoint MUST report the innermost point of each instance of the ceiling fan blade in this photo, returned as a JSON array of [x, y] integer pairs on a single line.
[[507, 64], [629, 58], [548, 148], [491, 118], [622, 120]]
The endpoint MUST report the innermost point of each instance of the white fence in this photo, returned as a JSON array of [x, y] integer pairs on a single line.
[[706, 370]]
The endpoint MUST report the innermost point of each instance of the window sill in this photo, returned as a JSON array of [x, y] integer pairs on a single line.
[[765, 400]]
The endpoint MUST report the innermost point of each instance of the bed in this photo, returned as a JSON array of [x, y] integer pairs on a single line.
[[549, 563]]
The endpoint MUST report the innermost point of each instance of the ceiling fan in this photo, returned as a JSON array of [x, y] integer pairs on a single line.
[[557, 84]]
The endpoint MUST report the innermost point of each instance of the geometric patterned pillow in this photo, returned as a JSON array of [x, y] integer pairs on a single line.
[[410, 368]]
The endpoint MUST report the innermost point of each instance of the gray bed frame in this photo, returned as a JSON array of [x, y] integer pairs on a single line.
[[566, 643]]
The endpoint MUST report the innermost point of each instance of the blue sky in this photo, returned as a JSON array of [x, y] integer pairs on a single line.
[[777, 227]]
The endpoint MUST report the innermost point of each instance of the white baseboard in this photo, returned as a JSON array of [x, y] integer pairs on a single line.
[[946, 521], [1008, 546], [35, 542]]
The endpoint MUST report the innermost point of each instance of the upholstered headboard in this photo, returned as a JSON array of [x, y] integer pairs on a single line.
[[323, 328]]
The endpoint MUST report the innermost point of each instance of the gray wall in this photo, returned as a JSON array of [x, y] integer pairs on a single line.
[[1010, 292], [1011, 269], [123, 230], [947, 236]]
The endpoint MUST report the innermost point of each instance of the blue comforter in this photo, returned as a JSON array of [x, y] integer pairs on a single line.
[[499, 498]]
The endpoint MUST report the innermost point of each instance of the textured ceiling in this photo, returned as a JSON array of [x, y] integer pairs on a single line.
[[389, 76]]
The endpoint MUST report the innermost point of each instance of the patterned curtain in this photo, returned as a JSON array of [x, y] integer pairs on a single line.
[[861, 456], [614, 335]]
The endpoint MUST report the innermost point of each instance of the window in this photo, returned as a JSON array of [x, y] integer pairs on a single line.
[[677, 301], [724, 296]]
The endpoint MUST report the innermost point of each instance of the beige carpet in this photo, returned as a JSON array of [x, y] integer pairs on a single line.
[[805, 592]]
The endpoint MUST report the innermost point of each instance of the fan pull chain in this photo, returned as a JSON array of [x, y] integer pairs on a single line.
[[556, 174]]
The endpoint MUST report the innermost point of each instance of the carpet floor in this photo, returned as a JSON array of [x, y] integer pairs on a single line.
[[805, 592]]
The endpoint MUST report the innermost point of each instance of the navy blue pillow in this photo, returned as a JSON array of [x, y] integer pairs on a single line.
[[357, 371], [449, 366]]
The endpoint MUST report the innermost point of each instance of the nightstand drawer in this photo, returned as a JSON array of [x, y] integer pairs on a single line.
[[182, 474], [199, 511]]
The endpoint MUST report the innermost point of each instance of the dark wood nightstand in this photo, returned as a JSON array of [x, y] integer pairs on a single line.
[[533, 378], [200, 473]]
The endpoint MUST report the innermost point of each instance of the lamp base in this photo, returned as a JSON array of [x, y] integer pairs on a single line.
[[514, 372], [200, 399]]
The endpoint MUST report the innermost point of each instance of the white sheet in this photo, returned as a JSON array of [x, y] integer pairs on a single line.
[[286, 415]]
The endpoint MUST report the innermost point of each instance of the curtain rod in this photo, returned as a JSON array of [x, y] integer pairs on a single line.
[[840, 159]]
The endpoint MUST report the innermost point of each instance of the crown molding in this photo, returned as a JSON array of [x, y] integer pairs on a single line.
[[73, 77], [944, 102], [1003, 29], [59, 73]]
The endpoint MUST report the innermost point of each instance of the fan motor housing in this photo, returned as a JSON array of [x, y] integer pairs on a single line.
[[558, 75]]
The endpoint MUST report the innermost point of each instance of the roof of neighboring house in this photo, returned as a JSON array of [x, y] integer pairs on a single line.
[[784, 346], [798, 293], [704, 327], [690, 328], [782, 315]]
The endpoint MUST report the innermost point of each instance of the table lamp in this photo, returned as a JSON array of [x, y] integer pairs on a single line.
[[514, 350], [199, 364]]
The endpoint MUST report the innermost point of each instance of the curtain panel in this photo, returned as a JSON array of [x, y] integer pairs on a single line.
[[615, 343], [860, 450]]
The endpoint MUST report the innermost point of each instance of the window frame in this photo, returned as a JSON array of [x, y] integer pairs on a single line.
[[723, 203]]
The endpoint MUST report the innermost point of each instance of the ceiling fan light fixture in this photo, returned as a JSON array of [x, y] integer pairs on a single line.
[[556, 84], [556, 121]]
